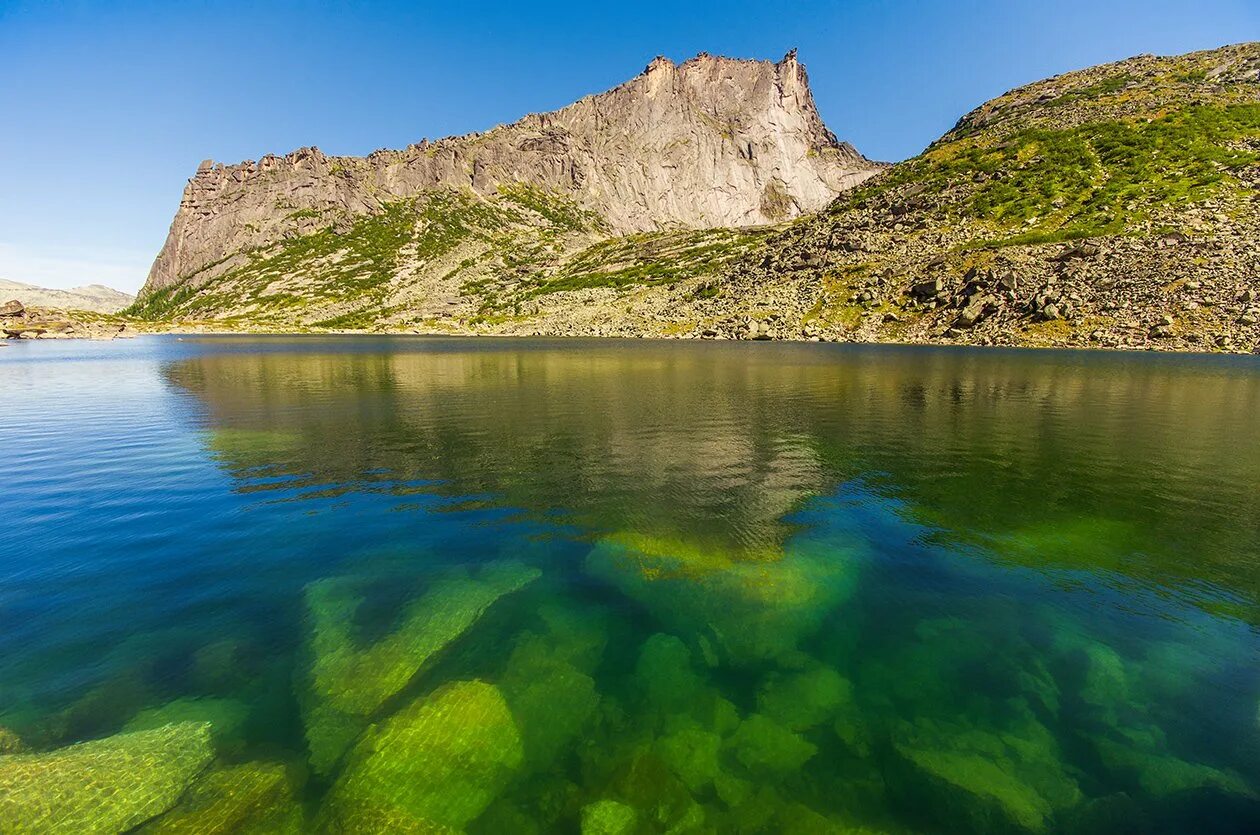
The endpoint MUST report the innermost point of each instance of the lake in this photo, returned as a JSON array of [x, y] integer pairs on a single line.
[[352, 584]]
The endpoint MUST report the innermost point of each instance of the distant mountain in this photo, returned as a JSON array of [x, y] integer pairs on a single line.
[[92, 297], [435, 231]]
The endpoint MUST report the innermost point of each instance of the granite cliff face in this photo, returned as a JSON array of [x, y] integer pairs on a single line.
[[713, 142]]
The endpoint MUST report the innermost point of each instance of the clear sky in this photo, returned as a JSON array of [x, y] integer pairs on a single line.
[[107, 107]]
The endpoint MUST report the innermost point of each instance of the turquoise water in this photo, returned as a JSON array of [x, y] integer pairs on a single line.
[[429, 585]]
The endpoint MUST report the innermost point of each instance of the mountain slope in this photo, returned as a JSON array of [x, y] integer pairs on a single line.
[[96, 298], [1118, 205], [307, 238]]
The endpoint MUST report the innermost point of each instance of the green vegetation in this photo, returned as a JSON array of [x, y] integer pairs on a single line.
[[1093, 179], [650, 258]]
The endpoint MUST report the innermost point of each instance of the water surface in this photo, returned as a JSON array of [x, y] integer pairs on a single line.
[[514, 586]]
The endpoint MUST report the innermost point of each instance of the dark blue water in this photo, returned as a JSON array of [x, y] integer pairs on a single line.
[[428, 585]]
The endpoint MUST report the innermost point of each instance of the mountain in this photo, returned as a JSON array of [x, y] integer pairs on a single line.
[[93, 297], [1115, 206], [432, 232]]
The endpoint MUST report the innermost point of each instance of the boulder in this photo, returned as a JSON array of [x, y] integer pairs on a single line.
[[437, 763], [107, 785], [348, 682], [255, 797], [609, 817]]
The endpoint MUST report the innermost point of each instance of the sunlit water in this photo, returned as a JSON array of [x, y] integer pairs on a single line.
[[423, 585]]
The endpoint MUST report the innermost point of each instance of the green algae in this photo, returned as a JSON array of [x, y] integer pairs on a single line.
[[348, 682], [107, 785], [438, 762]]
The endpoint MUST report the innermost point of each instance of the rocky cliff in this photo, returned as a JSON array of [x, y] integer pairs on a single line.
[[713, 142]]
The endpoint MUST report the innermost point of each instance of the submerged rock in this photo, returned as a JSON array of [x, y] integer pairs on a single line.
[[803, 700], [985, 780], [752, 607], [226, 718], [769, 750], [551, 699], [10, 742], [107, 785], [608, 817], [250, 799], [439, 762], [666, 678], [348, 682]]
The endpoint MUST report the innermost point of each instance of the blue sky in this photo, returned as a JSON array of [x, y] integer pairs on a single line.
[[108, 107]]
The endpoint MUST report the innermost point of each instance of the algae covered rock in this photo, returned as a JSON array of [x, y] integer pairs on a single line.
[[988, 780], [608, 817], [107, 785], [226, 718], [805, 699], [249, 799], [769, 750], [750, 607], [551, 699], [439, 762], [10, 742], [348, 682], [665, 675]]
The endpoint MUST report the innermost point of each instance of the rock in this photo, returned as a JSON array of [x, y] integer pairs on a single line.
[[439, 762], [107, 785], [11, 743], [974, 312], [754, 607], [804, 700], [12, 308], [769, 750], [250, 798], [984, 781], [1161, 332], [928, 289], [226, 718], [348, 682], [608, 817]]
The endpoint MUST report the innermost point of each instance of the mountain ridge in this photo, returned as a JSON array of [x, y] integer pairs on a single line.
[[1113, 206], [710, 142], [95, 298]]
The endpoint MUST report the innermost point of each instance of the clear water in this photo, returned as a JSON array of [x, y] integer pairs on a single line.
[[425, 585]]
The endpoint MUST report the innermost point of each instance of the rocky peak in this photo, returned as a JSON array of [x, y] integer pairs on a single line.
[[710, 142]]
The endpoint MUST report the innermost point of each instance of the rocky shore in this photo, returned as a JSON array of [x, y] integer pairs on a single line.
[[17, 321]]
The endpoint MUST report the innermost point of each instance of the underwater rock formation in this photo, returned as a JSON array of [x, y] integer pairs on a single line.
[[251, 799], [439, 762], [745, 610], [107, 785], [608, 817], [226, 718], [348, 682], [551, 699]]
